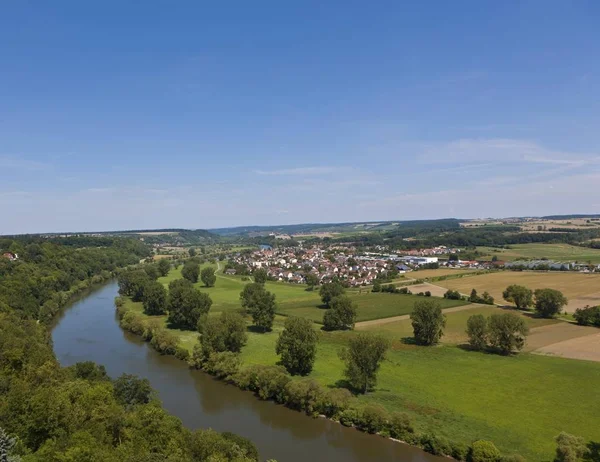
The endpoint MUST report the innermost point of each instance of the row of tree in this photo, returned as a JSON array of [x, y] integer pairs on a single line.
[[547, 302]]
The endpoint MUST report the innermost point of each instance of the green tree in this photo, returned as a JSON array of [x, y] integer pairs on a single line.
[[297, 345], [329, 291], [549, 302], [521, 296], [130, 390], [164, 267], [477, 330], [311, 280], [155, 298], [191, 271], [260, 276], [260, 304], [362, 358], [507, 332], [376, 286], [225, 333], [570, 448], [341, 315], [428, 322], [208, 276], [186, 304], [474, 298], [132, 284], [7, 444], [192, 252], [484, 451]]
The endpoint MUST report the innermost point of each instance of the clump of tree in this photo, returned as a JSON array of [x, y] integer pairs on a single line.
[[155, 298], [453, 295], [260, 304], [191, 271], [588, 316], [186, 304], [549, 302], [312, 280], [331, 290], [297, 345], [260, 275], [132, 283], [208, 276], [164, 267], [570, 448], [363, 358], [428, 322], [224, 333], [485, 298], [484, 451], [505, 333], [521, 296], [341, 315]]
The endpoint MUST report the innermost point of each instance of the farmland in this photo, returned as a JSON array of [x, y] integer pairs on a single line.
[[557, 252], [581, 289]]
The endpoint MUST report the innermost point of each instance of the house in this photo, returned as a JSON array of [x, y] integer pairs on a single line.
[[230, 271], [11, 256]]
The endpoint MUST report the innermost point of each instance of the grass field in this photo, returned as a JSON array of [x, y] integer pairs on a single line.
[[432, 273], [295, 300], [520, 403], [558, 252], [581, 289]]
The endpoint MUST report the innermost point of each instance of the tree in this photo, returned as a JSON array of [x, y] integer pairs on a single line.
[[235, 331], [376, 286], [186, 304], [341, 315], [297, 345], [363, 358], [474, 298], [507, 332], [311, 280], [521, 296], [7, 444], [452, 295], [130, 390], [192, 252], [329, 291], [260, 304], [132, 284], [208, 276], [155, 298], [484, 451], [191, 271], [570, 448], [260, 276], [477, 330], [428, 322], [549, 302], [164, 267]]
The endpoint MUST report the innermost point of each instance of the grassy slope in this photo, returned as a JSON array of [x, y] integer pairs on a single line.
[[520, 403], [558, 252]]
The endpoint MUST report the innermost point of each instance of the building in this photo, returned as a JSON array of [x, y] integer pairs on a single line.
[[11, 256]]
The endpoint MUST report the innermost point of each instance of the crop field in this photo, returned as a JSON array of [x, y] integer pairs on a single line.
[[557, 252], [581, 289], [432, 273]]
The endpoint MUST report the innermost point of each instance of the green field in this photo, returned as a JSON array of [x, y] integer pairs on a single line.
[[295, 300], [558, 252], [520, 403]]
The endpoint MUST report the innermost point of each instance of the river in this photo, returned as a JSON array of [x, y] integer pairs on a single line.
[[88, 331]]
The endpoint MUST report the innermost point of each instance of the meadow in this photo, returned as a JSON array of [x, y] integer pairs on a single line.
[[557, 252], [520, 403]]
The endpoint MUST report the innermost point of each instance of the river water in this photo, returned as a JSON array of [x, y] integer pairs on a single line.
[[88, 331]]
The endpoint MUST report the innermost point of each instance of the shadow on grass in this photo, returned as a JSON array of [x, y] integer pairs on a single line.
[[408, 341], [486, 351], [258, 330], [594, 454]]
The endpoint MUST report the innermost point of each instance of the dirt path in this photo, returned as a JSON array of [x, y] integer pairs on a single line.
[[377, 322]]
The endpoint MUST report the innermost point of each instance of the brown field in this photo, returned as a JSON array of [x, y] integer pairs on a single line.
[[586, 347], [432, 273], [581, 289], [436, 291]]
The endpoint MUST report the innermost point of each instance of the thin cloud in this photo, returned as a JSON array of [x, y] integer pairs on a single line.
[[21, 164], [297, 171]]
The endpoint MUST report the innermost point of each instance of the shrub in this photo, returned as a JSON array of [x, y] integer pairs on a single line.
[[334, 402], [404, 291], [164, 342], [245, 444], [459, 451], [373, 419], [349, 417], [588, 316], [133, 322], [484, 451], [182, 353], [119, 302], [268, 382], [304, 395], [224, 365], [435, 445], [570, 448], [428, 293], [400, 426], [452, 295]]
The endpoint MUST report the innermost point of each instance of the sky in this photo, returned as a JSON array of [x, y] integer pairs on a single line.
[[157, 114]]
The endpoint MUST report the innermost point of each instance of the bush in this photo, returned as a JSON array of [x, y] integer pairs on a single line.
[[304, 395], [588, 316], [400, 426], [452, 295], [349, 417], [133, 322], [373, 419], [224, 365], [428, 293], [244, 443], [268, 382], [334, 402], [459, 451], [570, 448], [164, 342], [182, 353], [404, 291], [484, 451], [435, 445]]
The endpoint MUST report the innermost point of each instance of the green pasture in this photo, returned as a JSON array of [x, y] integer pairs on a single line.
[[558, 252]]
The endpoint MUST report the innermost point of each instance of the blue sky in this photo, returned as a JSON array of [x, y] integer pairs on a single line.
[[122, 115]]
